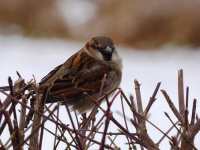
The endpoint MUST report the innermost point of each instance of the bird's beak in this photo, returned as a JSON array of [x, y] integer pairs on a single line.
[[109, 49], [108, 53]]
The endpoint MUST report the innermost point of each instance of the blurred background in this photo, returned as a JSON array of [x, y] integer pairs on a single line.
[[154, 38], [135, 23]]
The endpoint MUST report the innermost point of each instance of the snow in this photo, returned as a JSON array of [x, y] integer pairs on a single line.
[[37, 57]]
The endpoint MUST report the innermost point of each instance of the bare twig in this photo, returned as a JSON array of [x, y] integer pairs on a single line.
[[152, 98], [166, 133], [38, 107], [124, 117], [193, 112], [106, 125], [181, 93], [172, 106], [55, 138], [74, 128]]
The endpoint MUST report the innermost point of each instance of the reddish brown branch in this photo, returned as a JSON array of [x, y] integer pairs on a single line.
[[172, 106], [152, 98]]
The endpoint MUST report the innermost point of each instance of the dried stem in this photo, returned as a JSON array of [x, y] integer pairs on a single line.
[[152, 98], [181, 93], [38, 107], [172, 106]]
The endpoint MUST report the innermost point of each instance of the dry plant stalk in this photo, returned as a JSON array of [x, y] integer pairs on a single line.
[[188, 129], [97, 129], [36, 126]]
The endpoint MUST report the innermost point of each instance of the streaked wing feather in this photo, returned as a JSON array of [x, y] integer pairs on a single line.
[[87, 79], [68, 64], [50, 74]]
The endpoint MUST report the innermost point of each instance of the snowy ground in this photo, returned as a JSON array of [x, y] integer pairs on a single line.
[[39, 56]]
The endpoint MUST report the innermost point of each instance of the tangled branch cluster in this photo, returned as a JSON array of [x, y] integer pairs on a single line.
[[23, 112]]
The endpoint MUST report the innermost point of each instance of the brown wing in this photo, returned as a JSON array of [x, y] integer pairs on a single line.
[[85, 75], [57, 72], [49, 75]]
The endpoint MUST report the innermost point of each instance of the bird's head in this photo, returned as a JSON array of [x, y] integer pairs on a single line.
[[102, 48]]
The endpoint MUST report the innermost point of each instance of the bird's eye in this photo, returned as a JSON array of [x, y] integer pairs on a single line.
[[94, 46], [97, 47], [102, 49]]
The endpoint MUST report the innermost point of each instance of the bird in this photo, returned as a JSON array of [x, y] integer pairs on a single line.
[[79, 79]]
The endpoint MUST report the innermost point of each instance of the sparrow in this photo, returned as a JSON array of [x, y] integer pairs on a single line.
[[79, 78]]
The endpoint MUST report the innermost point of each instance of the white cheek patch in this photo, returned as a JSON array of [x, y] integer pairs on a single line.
[[116, 59], [95, 54], [99, 55]]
